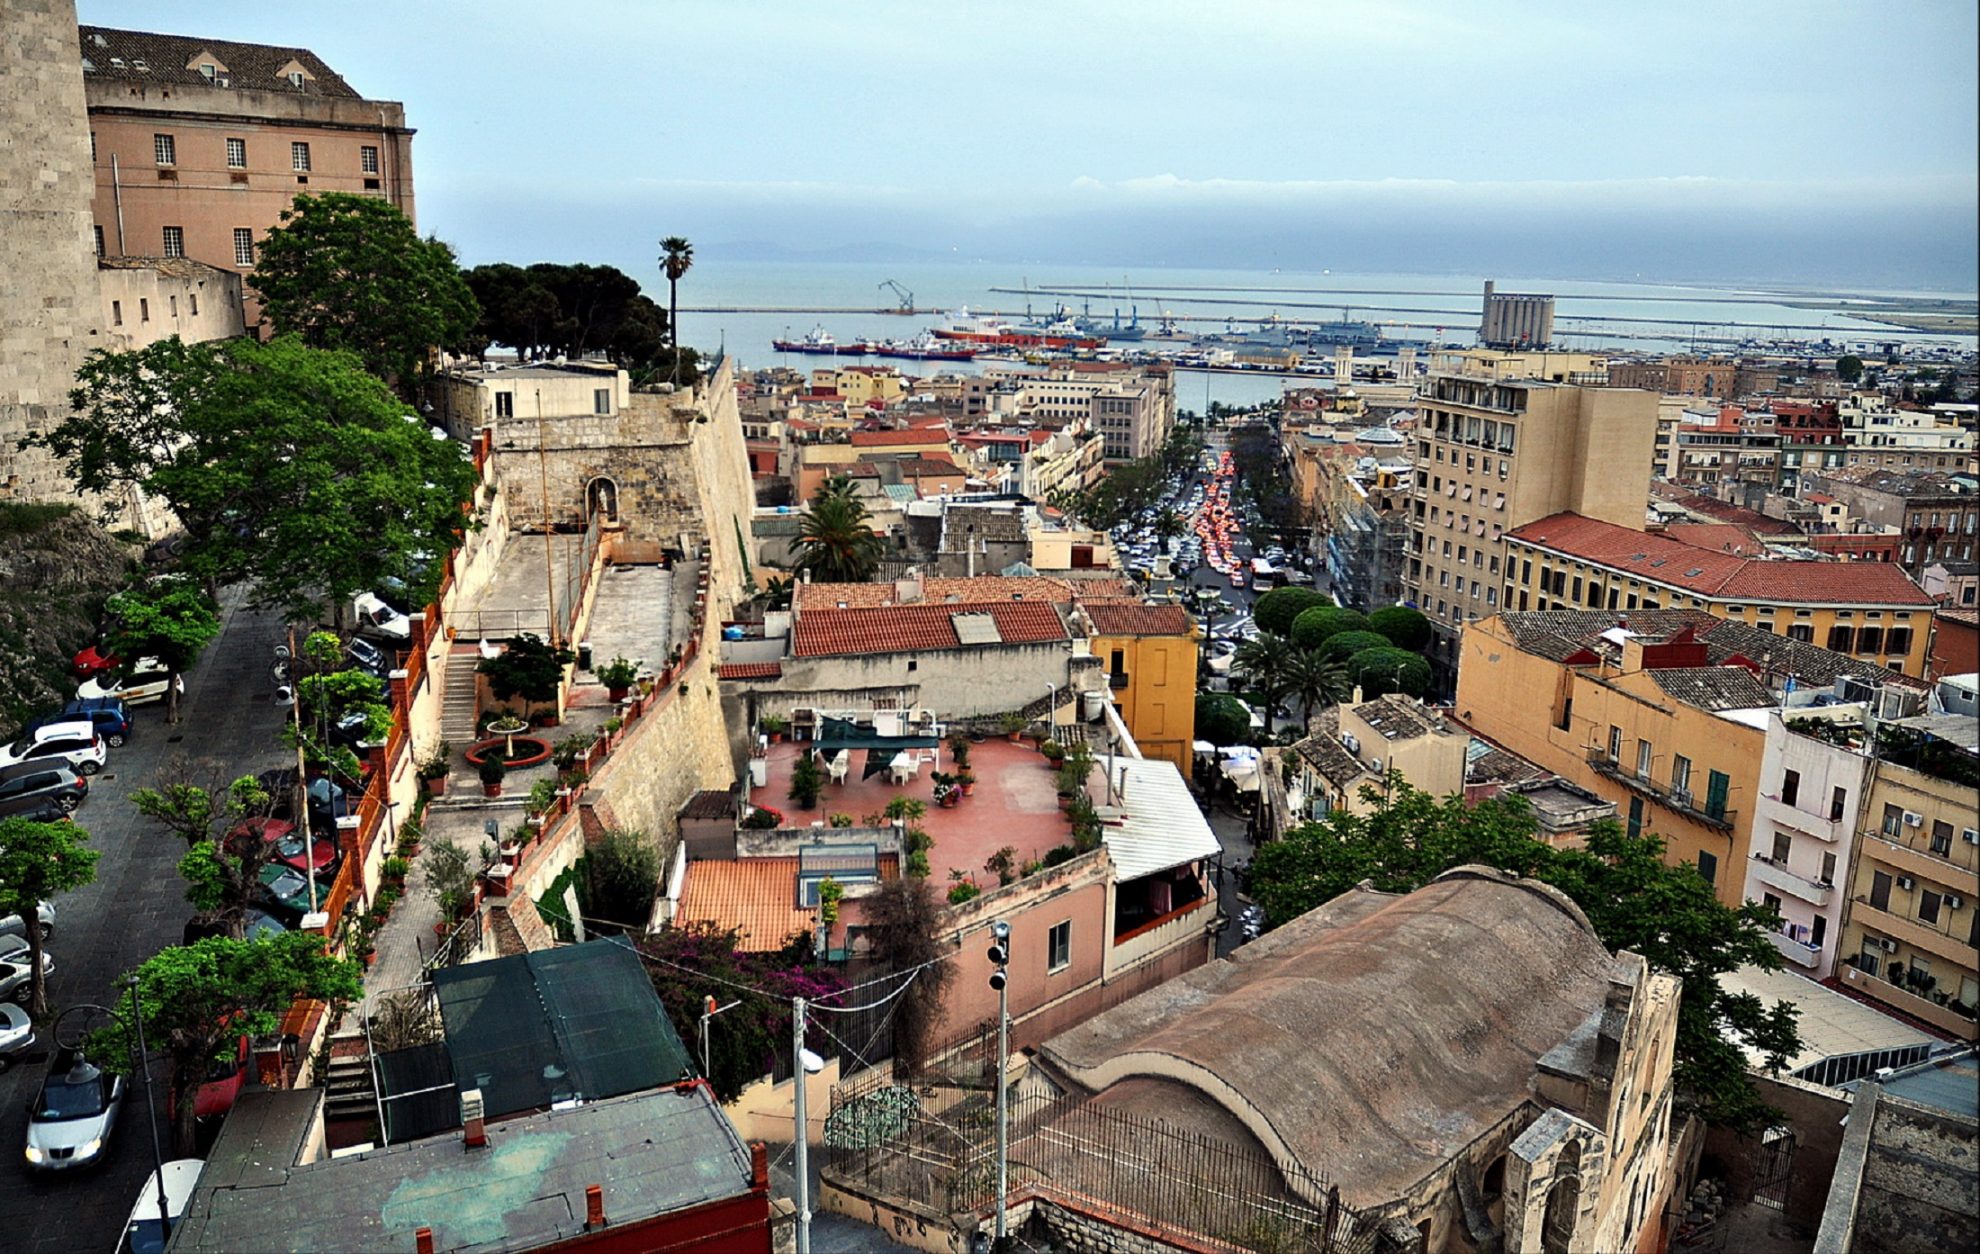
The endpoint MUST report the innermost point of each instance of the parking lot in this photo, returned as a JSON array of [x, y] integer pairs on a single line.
[[136, 907]]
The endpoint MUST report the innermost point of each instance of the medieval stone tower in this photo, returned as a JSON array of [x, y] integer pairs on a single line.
[[50, 307]]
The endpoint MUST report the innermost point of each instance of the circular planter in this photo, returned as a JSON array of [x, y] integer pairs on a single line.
[[529, 750]]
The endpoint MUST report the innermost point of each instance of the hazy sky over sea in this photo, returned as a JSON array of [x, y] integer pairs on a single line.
[[1787, 142]]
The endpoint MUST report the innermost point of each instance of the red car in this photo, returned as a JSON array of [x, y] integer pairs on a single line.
[[223, 1083], [323, 854], [91, 662]]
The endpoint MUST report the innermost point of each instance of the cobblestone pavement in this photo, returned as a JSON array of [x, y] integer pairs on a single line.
[[135, 908]]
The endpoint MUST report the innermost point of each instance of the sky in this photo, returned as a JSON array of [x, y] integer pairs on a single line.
[[1807, 142]]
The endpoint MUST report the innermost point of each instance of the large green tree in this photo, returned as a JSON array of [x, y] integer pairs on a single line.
[[290, 467], [1315, 626], [39, 861], [836, 542], [1221, 719], [1313, 679], [1634, 900], [1265, 662], [351, 272], [1276, 610], [197, 1000], [1406, 628], [171, 619], [223, 859], [570, 309]]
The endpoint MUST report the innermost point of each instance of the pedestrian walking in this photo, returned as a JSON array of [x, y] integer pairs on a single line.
[[173, 693]]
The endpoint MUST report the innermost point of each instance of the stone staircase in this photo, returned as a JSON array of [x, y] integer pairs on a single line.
[[457, 699], [348, 1089]]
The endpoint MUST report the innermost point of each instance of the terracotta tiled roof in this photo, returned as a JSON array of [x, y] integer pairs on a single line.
[[1721, 537], [750, 670], [1708, 572], [1723, 511], [1560, 634], [169, 62], [940, 591], [914, 436], [917, 628], [756, 896], [1121, 619]]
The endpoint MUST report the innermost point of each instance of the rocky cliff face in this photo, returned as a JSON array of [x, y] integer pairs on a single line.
[[56, 568]]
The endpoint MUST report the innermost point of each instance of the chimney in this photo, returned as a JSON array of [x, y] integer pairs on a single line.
[[423, 1240], [473, 1122], [594, 1208]]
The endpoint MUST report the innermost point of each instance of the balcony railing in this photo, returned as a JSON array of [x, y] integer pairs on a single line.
[[1804, 821], [1953, 949], [1925, 1008], [1767, 872], [1795, 951], [1683, 802]]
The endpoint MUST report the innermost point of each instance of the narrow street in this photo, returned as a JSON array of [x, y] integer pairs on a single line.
[[135, 907]]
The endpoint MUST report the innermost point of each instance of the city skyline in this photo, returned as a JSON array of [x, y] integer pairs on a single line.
[[1432, 137]]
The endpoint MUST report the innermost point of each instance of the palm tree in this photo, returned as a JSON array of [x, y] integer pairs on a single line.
[[1316, 681], [1264, 661], [835, 541], [676, 259]]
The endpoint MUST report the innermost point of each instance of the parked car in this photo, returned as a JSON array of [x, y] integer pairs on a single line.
[[46, 782], [255, 924], [74, 743], [11, 925], [93, 661], [16, 1034], [110, 715], [216, 1094], [41, 809], [14, 983], [285, 892], [14, 949], [73, 1114], [146, 681], [379, 619], [368, 657], [145, 1232]]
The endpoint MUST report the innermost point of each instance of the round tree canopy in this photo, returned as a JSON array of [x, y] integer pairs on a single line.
[[1316, 626], [1221, 719], [1406, 628], [1390, 670], [1276, 610], [1343, 645]]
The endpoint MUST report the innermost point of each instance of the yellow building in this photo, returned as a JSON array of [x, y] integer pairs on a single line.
[[1501, 365], [1869, 610], [1150, 655], [1665, 718], [1912, 923], [860, 386]]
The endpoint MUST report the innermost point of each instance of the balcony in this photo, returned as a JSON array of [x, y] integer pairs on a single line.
[[1794, 951], [1902, 859], [1685, 804], [1781, 814], [1941, 1017], [1953, 949], [1763, 870]]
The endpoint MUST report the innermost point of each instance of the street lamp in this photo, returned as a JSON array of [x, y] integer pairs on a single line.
[[1051, 710], [150, 1110], [803, 1063], [1000, 957], [708, 1011]]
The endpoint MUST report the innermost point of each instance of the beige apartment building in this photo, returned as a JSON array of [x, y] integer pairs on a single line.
[[1495, 454], [200, 144], [1912, 922], [1132, 407]]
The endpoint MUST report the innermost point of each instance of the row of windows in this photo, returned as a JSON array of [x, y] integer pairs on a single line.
[[165, 152], [144, 308]]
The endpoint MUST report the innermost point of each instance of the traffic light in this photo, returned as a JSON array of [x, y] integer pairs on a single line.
[[1000, 955]]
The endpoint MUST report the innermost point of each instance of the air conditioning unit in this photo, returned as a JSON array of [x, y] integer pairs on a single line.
[[1886, 944], [1906, 882], [1375, 765], [1971, 836], [1913, 820], [1954, 901], [1353, 745]]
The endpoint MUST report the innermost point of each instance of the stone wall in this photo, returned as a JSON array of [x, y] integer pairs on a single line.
[[49, 305], [1815, 1115], [148, 299], [960, 683]]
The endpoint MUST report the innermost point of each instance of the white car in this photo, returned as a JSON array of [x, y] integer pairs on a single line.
[[374, 616], [14, 949], [11, 925], [142, 683], [74, 742], [16, 1033], [144, 1232]]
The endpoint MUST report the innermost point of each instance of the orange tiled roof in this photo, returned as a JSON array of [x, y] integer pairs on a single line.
[[750, 670], [916, 435], [1709, 572], [915, 628], [756, 896], [1721, 537], [955, 591], [1119, 619]]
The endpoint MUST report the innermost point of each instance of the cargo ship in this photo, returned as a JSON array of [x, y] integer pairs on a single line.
[[819, 343], [923, 347], [1059, 333]]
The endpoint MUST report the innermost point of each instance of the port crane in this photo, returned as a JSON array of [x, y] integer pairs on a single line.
[[905, 297]]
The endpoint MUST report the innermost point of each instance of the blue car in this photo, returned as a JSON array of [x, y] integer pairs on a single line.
[[110, 715]]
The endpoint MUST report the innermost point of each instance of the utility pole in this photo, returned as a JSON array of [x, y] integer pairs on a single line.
[[1000, 956], [150, 1109], [708, 1011], [803, 1063]]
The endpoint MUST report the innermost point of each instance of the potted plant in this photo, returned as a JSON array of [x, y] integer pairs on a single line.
[[946, 791], [959, 751], [829, 893], [570, 750], [774, 726], [966, 780], [542, 795], [1011, 725], [492, 771], [807, 781], [617, 675], [433, 769], [449, 881], [1053, 752]]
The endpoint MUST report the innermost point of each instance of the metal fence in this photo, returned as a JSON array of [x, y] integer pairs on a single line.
[[935, 1146]]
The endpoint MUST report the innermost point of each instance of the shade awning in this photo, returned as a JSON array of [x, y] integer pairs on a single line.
[[1159, 826]]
